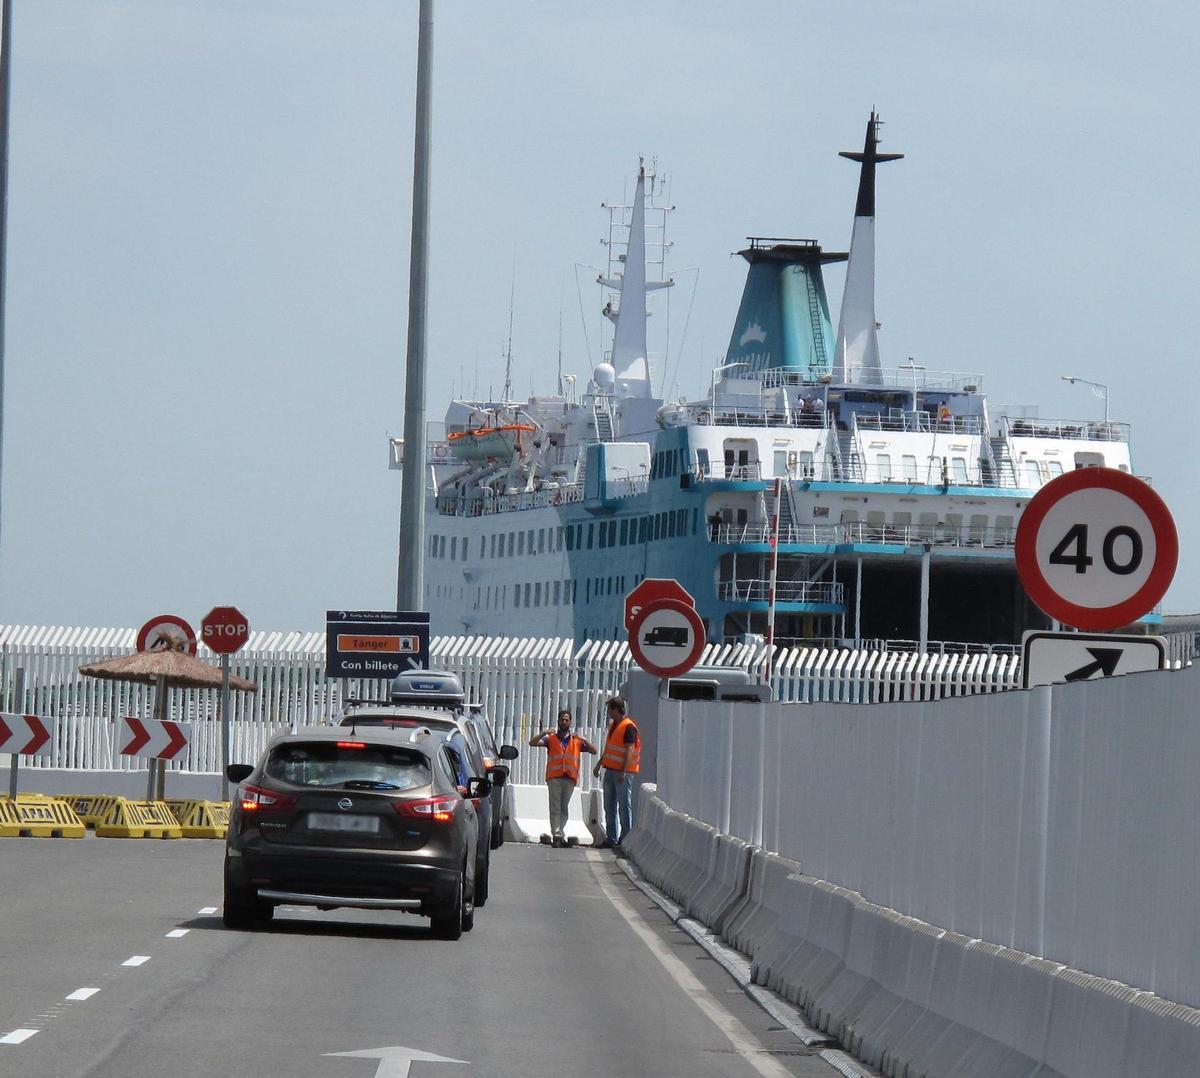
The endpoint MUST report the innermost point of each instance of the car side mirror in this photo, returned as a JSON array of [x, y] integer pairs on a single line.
[[498, 775], [478, 787], [508, 752], [238, 772]]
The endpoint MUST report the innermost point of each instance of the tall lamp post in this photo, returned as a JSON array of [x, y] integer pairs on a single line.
[[5, 82], [1095, 385], [410, 589]]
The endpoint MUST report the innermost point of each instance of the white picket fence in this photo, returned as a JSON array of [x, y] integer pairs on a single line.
[[522, 681]]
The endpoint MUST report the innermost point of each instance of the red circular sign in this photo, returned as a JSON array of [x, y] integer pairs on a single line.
[[225, 629], [1096, 548], [667, 637], [167, 632]]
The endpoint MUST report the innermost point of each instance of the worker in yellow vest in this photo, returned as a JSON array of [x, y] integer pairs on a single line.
[[621, 760], [563, 751]]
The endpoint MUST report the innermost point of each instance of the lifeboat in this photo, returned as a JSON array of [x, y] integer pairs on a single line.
[[500, 442]]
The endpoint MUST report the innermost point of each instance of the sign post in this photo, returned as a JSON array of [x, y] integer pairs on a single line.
[[225, 629]]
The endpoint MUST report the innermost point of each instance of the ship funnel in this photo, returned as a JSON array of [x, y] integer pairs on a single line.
[[857, 358]]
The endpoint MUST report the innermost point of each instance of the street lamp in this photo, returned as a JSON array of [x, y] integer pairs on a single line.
[[1095, 385]]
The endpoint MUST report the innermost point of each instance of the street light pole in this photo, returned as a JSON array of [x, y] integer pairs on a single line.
[[410, 589], [5, 83]]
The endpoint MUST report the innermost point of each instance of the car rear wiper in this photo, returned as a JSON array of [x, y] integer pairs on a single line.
[[369, 784]]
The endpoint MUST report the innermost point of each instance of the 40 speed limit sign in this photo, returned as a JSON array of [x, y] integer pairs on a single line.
[[1096, 548]]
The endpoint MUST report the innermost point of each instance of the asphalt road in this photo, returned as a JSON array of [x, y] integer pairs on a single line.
[[570, 973]]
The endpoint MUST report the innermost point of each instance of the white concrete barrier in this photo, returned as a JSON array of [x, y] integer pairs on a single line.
[[530, 816]]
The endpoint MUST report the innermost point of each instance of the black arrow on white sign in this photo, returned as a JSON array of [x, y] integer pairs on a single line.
[[1104, 662]]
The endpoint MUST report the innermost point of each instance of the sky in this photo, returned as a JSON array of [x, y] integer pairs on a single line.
[[209, 208]]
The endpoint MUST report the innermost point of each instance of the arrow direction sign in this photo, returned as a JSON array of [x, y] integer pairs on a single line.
[[1050, 658], [24, 735], [396, 1062], [160, 740]]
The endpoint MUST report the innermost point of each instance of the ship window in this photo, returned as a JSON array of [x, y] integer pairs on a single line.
[[657, 525], [958, 468], [557, 585], [516, 595], [530, 542], [672, 522], [591, 535], [624, 532], [702, 464], [482, 546], [954, 526], [541, 540], [528, 589], [454, 548], [806, 464], [908, 467], [1033, 474], [603, 535], [1054, 467], [883, 466], [587, 591], [558, 537], [520, 544], [537, 594], [570, 538], [512, 543], [1002, 533]]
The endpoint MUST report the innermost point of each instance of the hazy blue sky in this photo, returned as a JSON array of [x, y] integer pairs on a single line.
[[209, 210]]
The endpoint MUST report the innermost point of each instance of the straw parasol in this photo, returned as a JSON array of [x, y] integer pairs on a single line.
[[178, 669]]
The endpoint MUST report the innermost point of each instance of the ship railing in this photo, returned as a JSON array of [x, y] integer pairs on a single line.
[[1072, 430], [919, 422], [971, 536], [912, 378], [706, 415], [757, 590], [478, 506], [627, 486]]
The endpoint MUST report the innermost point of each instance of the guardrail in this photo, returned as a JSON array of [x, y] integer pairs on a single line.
[[839, 534], [786, 591]]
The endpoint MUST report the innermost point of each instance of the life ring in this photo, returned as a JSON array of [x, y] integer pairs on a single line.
[[704, 417], [439, 451]]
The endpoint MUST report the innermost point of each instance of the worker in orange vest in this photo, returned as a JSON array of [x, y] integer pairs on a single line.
[[621, 760], [563, 751]]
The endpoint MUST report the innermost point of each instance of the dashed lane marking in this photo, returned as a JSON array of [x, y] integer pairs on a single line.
[[207, 910], [83, 993], [735, 1032], [136, 960], [177, 933], [18, 1036]]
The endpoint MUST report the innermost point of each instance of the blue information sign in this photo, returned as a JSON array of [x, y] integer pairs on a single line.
[[375, 643]]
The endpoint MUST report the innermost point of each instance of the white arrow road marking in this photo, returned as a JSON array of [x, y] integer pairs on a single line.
[[395, 1062], [177, 933], [20, 1036], [83, 993], [136, 960]]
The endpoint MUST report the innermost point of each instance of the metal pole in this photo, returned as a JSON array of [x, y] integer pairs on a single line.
[[159, 712], [410, 590], [5, 83], [923, 643], [858, 604], [774, 578], [14, 761], [225, 727]]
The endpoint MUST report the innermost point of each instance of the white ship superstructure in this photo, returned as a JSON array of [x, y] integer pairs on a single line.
[[901, 487]]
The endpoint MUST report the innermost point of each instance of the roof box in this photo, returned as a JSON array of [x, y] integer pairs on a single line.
[[428, 688]]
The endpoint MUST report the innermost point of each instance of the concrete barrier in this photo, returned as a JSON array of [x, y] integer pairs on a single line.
[[724, 883], [530, 815]]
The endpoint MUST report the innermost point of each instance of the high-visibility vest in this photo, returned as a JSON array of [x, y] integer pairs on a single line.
[[614, 747], [562, 761]]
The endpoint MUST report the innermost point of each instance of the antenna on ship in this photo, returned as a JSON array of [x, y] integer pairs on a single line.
[[560, 309], [512, 297], [857, 342]]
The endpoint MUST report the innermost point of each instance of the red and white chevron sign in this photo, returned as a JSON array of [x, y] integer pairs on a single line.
[[25, 735], [160, 740]]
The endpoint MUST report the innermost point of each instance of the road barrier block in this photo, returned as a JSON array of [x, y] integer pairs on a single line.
[[38, 816], [139, 819], [90, 808], [201, 819]]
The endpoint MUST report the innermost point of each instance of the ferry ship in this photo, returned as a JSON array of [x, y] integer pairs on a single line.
[[899, 489]]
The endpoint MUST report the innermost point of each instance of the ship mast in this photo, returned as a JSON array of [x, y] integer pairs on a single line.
[[857, 353]]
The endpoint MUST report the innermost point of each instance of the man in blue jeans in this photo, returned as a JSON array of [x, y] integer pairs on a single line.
[[621, 761]]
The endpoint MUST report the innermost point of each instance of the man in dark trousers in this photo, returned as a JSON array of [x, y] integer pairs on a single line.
[[621, 761], [563, 750]]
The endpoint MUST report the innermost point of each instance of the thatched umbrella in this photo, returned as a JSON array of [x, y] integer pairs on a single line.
[[163, 667]]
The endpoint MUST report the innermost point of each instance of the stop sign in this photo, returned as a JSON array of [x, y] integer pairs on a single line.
[[225, 629], [651, 590]]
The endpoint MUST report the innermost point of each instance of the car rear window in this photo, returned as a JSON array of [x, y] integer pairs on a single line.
[[330, 763]]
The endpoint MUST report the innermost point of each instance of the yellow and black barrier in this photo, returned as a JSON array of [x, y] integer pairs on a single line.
[[201, 819], [138, 819], [92, 809], [38, 816]]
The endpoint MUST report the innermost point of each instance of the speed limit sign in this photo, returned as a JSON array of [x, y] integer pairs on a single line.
[[1096, 548]]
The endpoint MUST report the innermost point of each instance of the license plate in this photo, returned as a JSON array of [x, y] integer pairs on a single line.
[[333, 821]]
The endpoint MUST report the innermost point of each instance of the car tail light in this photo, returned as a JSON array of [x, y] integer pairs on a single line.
[[437, 809], [256, 799], [351, 744]]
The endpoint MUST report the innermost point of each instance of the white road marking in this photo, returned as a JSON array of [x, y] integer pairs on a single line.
[[136, 960], [206, 910], [735, 1032], [177, 933], [18, 1036], [83, 993]]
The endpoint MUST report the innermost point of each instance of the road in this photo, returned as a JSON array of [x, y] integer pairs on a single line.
[[570, 973]]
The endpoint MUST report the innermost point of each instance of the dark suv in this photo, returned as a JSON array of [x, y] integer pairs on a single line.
[[369, 820]]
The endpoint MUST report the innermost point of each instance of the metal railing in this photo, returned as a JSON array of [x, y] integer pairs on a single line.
[[757, 590], [1075, 430], [859, 532], [706, 415], [914, 378], [920, 422], [482, 505]]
